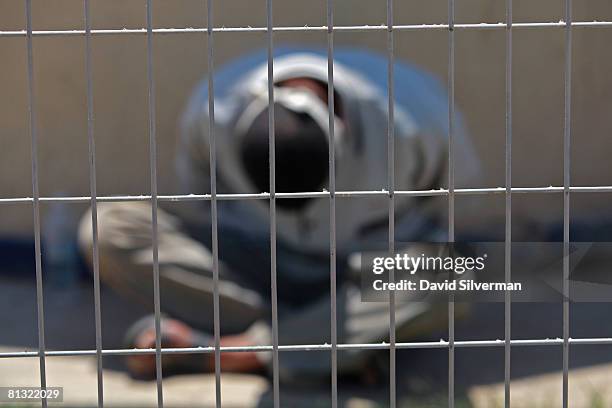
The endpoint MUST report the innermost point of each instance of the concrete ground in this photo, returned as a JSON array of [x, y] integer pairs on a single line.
[[422, 374]]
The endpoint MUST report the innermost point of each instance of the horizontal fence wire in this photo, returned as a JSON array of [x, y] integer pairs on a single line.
[[307, 28], [442, 344], [315, 194]]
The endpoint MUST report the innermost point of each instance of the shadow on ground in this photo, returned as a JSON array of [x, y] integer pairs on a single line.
[[422, 374]]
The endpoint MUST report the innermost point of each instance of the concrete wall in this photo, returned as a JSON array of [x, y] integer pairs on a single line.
[[120, 95]]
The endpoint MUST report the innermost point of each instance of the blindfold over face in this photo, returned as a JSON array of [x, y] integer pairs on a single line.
[[302, 138], [299, 100]]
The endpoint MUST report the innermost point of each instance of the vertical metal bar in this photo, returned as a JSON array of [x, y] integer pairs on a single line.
[[451, 193], [94, 203], [272, 159], [391, 187], [153, 175], [566, 196], [508, 238], [332, 201], [213, 202], [36, 202]]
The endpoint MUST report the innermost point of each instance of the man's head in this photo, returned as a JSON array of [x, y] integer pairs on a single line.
[[301, 137]]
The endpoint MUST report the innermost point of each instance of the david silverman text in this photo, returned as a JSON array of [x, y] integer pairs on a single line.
[[460, 285]]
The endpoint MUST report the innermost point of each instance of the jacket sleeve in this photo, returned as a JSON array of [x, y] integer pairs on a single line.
[[193, 150], [427, 144], [192, 162], [419, 156]]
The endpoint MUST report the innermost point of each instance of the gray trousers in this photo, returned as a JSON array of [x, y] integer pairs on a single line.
[[186, 287]]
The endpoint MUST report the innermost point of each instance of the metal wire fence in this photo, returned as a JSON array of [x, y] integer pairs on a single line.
[[451, 192]]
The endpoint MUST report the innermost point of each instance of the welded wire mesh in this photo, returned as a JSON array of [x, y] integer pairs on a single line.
[[451, 343]]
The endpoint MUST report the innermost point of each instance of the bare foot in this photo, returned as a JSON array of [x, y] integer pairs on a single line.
[[240, 361], [176, 334]]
